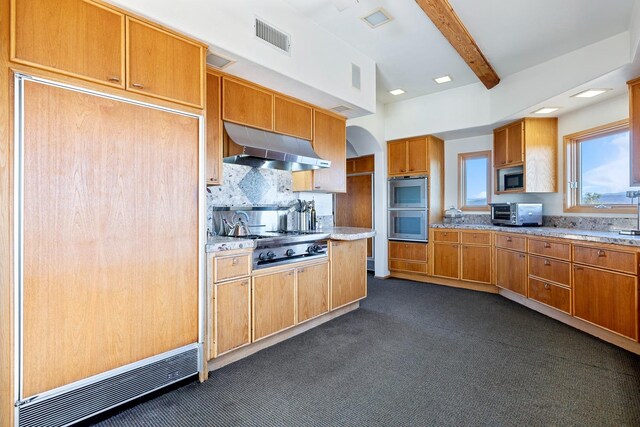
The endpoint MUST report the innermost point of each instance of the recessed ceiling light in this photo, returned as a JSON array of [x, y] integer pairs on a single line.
[[377, 17], [546, 110], [396, 92], [443, 79], [590, 93]]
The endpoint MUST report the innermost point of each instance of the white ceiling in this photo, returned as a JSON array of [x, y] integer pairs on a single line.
[[513, 35]]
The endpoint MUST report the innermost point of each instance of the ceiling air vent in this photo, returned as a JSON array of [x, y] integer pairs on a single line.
[[341, 108], [218, 61], [273, 36]]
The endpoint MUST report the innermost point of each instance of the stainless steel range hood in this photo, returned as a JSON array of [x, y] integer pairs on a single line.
[[262, 149]]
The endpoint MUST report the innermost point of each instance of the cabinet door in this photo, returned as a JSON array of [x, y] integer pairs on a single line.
[[292, 118], [606, 299], [214, 131], [500, 147], [273, 303], [634, 129], [363, 164], [511, 271], [445, 260], [515, 143], [232, 311], [476, 263], [417, 156], [397, 162], [330, 143], [74, 37], [348, 271], [246, 104], [164, 65], [313, 291]]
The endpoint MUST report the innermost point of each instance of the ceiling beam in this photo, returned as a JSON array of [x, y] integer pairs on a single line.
[[447, 21]]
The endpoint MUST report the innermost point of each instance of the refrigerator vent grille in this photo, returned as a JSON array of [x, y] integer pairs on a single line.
[[87, 400]]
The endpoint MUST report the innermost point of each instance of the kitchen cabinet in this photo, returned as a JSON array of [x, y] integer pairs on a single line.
[[511, 270], [330, 143], [274, 303], [355, 207], [462, 255], [232, 303], [247, 104], [446, 260], [530, 146], [409, 257], [348, 271], [550, 270], [634, 129], [74, 37], [364, 164], [397, 158], [213, 167], [164, 65], [313, 291], [475, 263], [550, 294], [607, 299], [292, 118]]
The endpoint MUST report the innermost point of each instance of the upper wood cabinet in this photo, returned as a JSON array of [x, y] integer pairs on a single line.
[[634, 128], [330, 143], [163, 64], [292, 118], [214, 130], [246, 104], [364, 164], [91, 41], [73, 37], [529, 145], [409, 156]]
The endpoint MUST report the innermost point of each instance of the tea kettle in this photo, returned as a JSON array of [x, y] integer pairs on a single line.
[[240, 229]]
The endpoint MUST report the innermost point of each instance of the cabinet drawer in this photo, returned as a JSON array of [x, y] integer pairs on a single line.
[[550, 269], [549, 294], [509, 241], [231, 267], [606, 258], [413, 267], [550, 249], [475, 238], [445, 236], [408, 251]]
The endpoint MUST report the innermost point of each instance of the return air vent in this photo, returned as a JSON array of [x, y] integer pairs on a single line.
[[355, 76], [97, 396], [273, 36], [341, 108], [218, 61]]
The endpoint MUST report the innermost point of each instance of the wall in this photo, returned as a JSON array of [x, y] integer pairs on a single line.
[[595, 115]]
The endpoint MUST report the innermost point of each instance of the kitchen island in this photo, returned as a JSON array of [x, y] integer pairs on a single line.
[[261, 293]]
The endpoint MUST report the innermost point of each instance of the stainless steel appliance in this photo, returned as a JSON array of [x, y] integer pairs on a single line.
[[513, 181], [516, 214], [274, 244], [408, 216], [408, 193]]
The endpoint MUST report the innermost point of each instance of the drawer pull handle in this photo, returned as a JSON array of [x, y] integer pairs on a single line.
[[114, 79], [302, 270], [234, 261], [546, 286], [579, 268], [601, 253], [245, 283], [509, 239], [138, 85], [521, 255], [546, 262], [547, 245]]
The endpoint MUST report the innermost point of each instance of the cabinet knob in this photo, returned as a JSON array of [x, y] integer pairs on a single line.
[[601, 253], [317, 187], [114, 79], [138, 85], [521, 255], [509, 239], [302, 270], [402, 170], [547, 245], [546, 262], [579, 268], [245, 283], [234, 261], [546, 286]]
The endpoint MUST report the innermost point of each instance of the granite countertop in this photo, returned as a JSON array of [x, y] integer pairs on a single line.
[[224, 243], [566, 233]]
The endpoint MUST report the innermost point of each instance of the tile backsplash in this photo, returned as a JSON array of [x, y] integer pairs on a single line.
[[246, 186], [581, 222]]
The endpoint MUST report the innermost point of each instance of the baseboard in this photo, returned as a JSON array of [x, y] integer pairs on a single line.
[[603, 334], [250, 349], [481, 287]]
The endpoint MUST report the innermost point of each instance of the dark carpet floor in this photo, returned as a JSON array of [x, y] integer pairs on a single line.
[[415, 355]]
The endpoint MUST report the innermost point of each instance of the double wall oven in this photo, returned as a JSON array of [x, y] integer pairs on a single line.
[[408, 208]]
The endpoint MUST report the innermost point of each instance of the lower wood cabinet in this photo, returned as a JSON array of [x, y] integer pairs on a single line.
[[348, 271], [408, 257], [274, 303], [550, 294], [313, 291], [232, 313], [446, 260], [511, 271], [606, 299], [475, 263]]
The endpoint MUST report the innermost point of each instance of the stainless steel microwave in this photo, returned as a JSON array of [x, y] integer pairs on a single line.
[[408, 193], [516, 214], [514, 181]]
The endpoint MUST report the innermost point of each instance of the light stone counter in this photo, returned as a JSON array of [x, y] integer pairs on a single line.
[[566, 233], [349, 233], [224, 243]]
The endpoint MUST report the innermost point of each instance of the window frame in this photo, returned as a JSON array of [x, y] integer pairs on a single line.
[[571, 194], [462, 190]]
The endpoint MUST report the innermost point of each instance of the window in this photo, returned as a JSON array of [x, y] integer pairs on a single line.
[[598, 171], [474, 181]]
